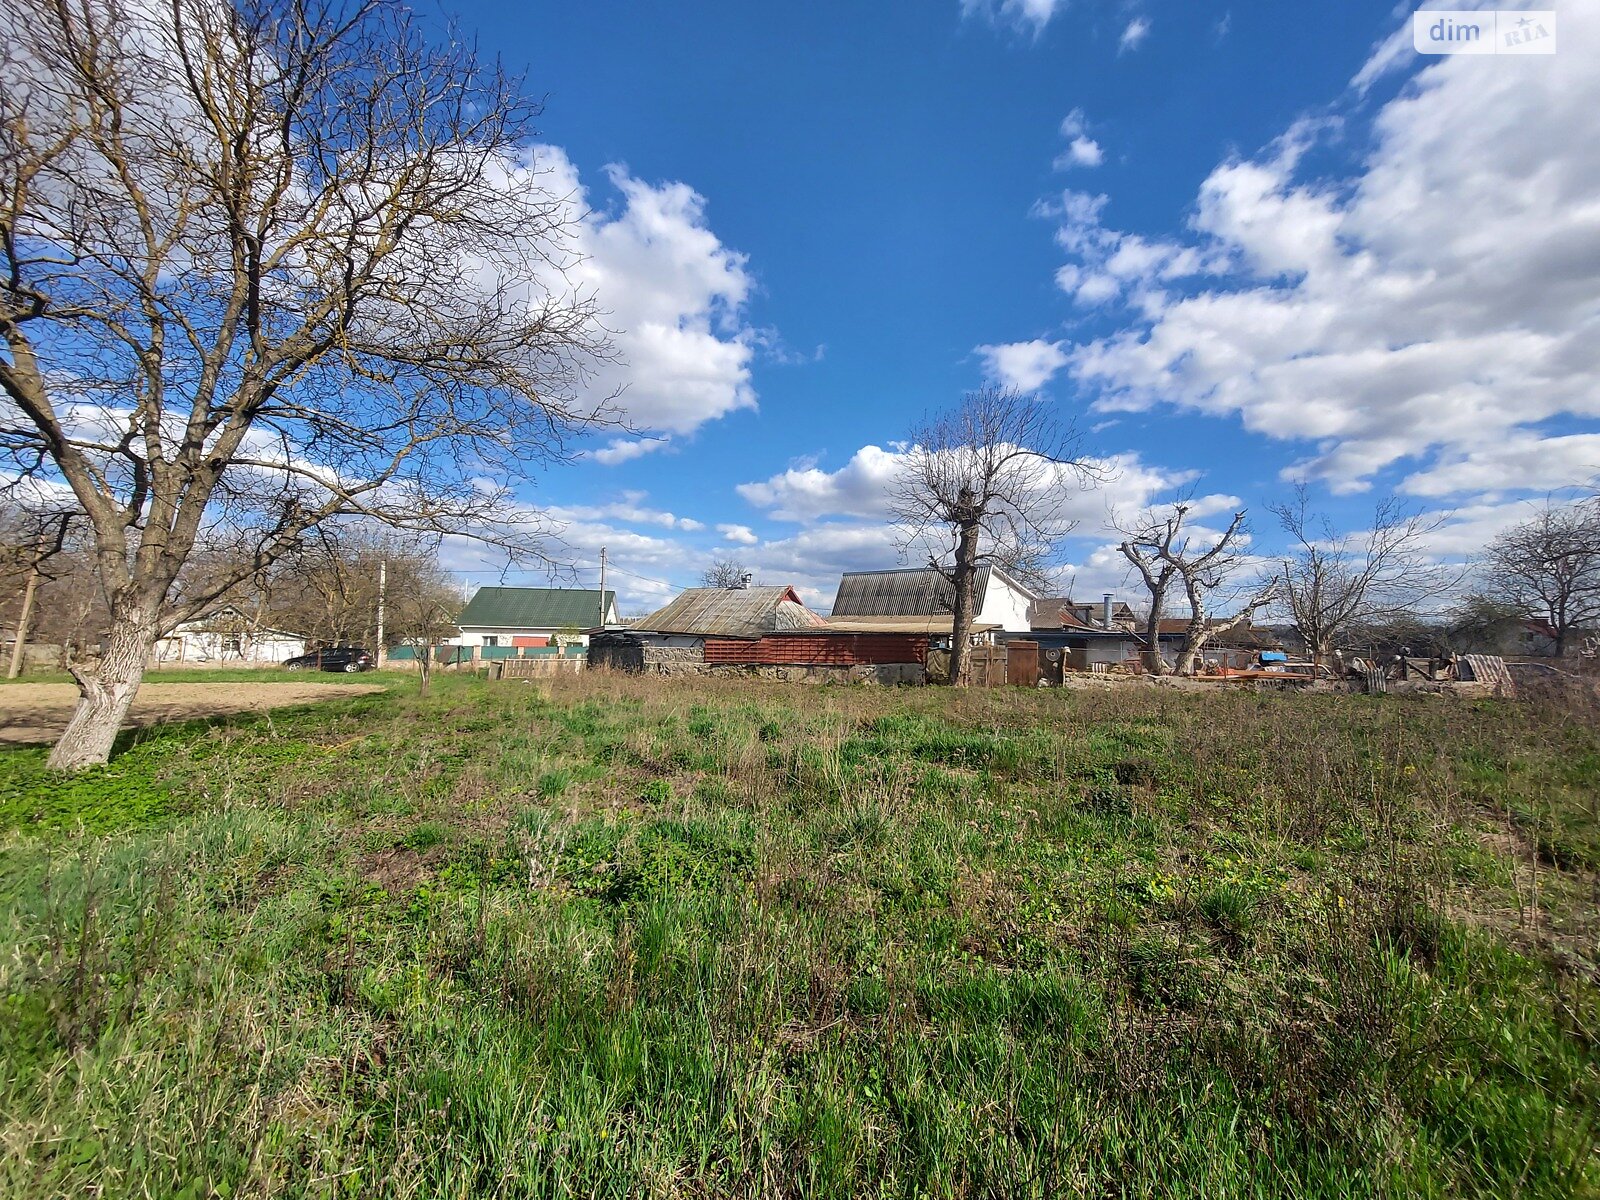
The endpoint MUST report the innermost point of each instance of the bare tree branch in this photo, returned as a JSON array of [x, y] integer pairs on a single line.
[[264, 264], [987, 482], [1334, 581], [1548, 568]]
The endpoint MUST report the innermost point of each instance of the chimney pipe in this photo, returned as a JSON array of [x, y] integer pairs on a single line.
[[1105, 612]]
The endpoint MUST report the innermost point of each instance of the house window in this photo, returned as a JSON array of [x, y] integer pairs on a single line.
[[232, 644], [491, 640]]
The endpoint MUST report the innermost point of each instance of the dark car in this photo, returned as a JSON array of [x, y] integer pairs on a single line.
[[333, 658]]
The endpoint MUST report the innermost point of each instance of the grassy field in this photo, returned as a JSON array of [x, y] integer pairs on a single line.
[[620, 937]]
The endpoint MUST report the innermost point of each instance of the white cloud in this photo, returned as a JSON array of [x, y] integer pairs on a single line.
[[1437, 307], [846, 526], [629, 507], [1133, 36], [808, 495], [1026, 16], [621, 450], [1545, 463], [1389, 55], [814, 558], [1026, 366], [1467, 530], [675, 297], [804, 492], [741, 535], [1082, 150]]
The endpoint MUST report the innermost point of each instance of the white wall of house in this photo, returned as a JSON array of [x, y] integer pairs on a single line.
[[1005, 604], [1108, 650], [481, 636], [1116, 650], [188, 644]]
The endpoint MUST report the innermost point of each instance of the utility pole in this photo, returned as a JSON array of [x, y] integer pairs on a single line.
[[27, 611], [383, 587], [602, 585]]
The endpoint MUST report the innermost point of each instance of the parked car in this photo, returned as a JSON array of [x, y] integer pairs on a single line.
[[333, 658]]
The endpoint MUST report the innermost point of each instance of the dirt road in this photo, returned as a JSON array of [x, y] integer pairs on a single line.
[[38, 712]]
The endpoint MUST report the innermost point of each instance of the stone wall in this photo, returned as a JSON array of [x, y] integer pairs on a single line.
[[653, 658], [667, 660]]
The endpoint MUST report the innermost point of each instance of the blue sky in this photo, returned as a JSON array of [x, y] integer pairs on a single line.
[[1239, 244]]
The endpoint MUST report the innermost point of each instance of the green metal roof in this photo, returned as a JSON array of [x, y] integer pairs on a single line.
[[534, 608]]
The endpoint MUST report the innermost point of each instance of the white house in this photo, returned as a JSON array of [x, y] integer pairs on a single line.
[[530, 617], [227, 636], [924, 592]]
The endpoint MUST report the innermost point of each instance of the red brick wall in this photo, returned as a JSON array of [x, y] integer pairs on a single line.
[[833, 650]]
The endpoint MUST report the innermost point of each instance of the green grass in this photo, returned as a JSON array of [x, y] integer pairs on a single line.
[[621, 937]]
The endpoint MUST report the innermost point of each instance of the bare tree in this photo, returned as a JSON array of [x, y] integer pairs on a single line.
[[263, 263], [987, 482], [1165, 551], [1153, 546], [424, 602], [1548, 567], [1334, 581], [1204, 629], [1203, 575], [1477, 623], [725, 573], [32, 542]]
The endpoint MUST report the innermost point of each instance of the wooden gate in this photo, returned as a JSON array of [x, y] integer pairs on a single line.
[[1022, 664], [986, 666]]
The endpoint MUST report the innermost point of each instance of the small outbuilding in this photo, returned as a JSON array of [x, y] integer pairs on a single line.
[[227, 635], [761, 630], [529, 618], [923, 592]]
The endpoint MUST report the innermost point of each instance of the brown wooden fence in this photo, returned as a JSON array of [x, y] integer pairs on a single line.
[[986, 667]]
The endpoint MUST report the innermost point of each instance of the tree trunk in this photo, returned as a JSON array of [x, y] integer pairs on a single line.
[[1202, 631], [961, 624], [19, 647], [424, 668], [1153, 662], [1194, 640], [106, 692]]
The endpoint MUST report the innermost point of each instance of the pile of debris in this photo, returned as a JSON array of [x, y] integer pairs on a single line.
[[1457, 674]]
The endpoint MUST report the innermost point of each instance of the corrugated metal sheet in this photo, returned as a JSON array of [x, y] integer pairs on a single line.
[[731, 612], [1486, 668], [918, 592], [931, 625], [533, 608], [822, 650]]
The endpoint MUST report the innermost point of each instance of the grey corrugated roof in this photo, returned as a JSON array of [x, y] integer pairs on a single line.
[[731, 612], [938, 624], [533, 608], [915, 592]]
